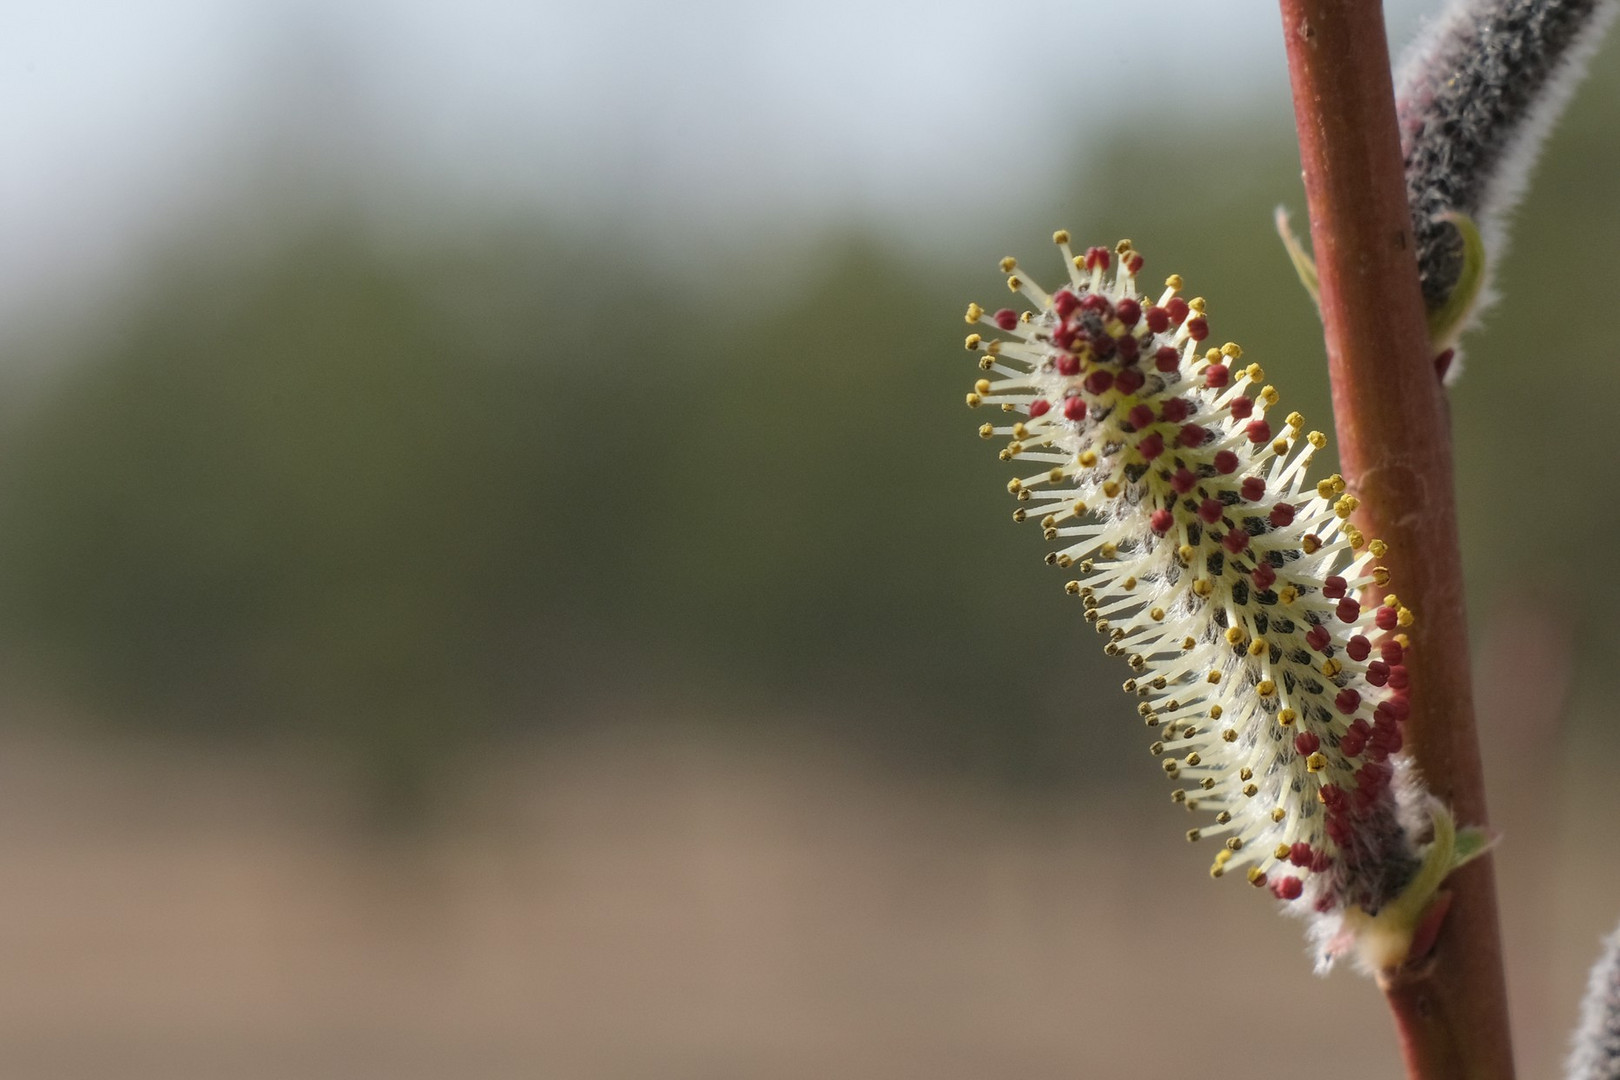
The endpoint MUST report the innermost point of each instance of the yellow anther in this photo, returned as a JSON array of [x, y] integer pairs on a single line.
[[1258, 647], [1213, 677], [1193, 835], [1279, 852], [1378, 548], [1296, 420], [1079, 507], [1392, 600], [1061, 236], [1048, 521], [1316, 762], [1235, 635], [1188, 643], [1230, 735], [1128, 584], [1269, 395], [1357, 540], [1310, 544], [1007, 264], [1324, 488], [974, 313], [1279, 814], [1202, 587], [1265, 688], [993, 348], [1380, 576], [1256, 877], [1405, 618], [1108, 551], [1331, 667], [1403, 641], [1006, 454], [1173, 282], [974, 401], [1015, 447], [1157, 614], [1286, 717], [1213, 356], [1185, 553], [1088, 458], [1233, 350], [1254, 373], [1287, 594], [1194, 759], [1025, 316], [972, 342], [1346, 505], [982, 387], [1020, 515], [1251, 790], [1338, 483], [1122, 247], [1214, 712], [987, 431], [1015, 485], [1316, 439], [1279, 446], [1014, 283], [986, 362], [1111, 489], [1197, 305], [1064, 561], [1072, 588], [1234, 844]]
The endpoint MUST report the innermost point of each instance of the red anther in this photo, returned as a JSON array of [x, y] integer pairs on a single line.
[[1378, 673], [1133, 263], [1258, 431], [1348, 610], [1259, 881], [1347, 701], [1360, 728], [1264, 576], [1183, 481], [1099, 381], [1242, 407], [1300, 854], [1334, 587], [1177, 309], [1236, 541], [1358, 647], [1158, 319], [1393, 741], [1226, 462], [1067, 364], [1339, 831], [1307, 743], [1097, 257], [1282, 514], [1210, 511], [1398, 678], [1161, 522], [1387, 618], [1215, 376], [1351, 745], [1064, 302], [1006, 318], [1391, 651], [1064, 336], [1130, 380], [1312, 538], [1289, 888], [1324, 903], [1334, 798], [1140, 416], [1194, 435], [1129, 349], [1166, 359], [1319, 863], [1399, 707], [1128, 311], [1075, 407], [1096, 302], [1442, 363], [1038, 407], [1174, 411], [1318, 638], [1198, 329], [1103, 345], [1253, 488], [1150, 446]]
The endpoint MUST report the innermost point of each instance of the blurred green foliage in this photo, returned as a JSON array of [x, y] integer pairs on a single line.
[[400, 497]]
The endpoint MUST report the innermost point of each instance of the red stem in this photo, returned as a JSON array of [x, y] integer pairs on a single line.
[[1394, 442]]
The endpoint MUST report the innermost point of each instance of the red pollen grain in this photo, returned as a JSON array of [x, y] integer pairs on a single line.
[[1318, 637], [1174, 411], [1096, 302], [1378, 673], [1387, 618], [1359, 648], [1064, 302], [1307, 743], [1334, 587], [1129, 349], [1253, 489], [1006, 318], [1130, 380], [1140, 416], [1289, 888], [1194, 435], [1226, 462], [1167, 359], [1258, 431], [1099, 381], [1282, 514], [1242, 407], [1348, 610], [1039, 407], [1347, 701], [1067, 364], [1198, 329], [1398, 678], [1215, 376], [1158, 320], [1128, 311], [1133, 263], [1177, 309], [1074, 407], [1391, 651], [1161, 522], [1300, 853]]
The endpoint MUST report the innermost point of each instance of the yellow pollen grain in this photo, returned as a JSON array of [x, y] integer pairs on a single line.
[[971, 342], [1279, 814], [1213, 677], [1122, 247], [1254, 373], [1197, 304], [974, 313], [1324, 488], [1288, 594], [1357, 540], [1280, 851], [1296, 420], [1346, 506], [1007, 264], [1230, 735], [1108, 551], [1316, 439], [1214, 712], [1233, 350], [1269, 395], [1286, 716], [1403, 641], [1251, 790], [1157, 614], [987, 431], [1061, 236], [1185, 552], [1014, 283], [1331, 667], [1188, 643], [1265, 688], [1258, 647], [1111, 489], [1202, 587], [1235, 635], [1245, 773], [1311, 544], [1279, 447], [1072, 588], [1173, 282], [1079, 508], [973, 401], [1213, 356], [1015, 485], [1234, 844], [1405, 618], [1316, 762], [1088, 458]]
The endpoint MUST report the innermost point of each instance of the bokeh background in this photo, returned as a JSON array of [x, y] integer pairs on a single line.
[[496, 579]]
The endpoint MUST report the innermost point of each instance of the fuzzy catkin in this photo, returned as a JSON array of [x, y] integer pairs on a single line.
[[1595, 1051]]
